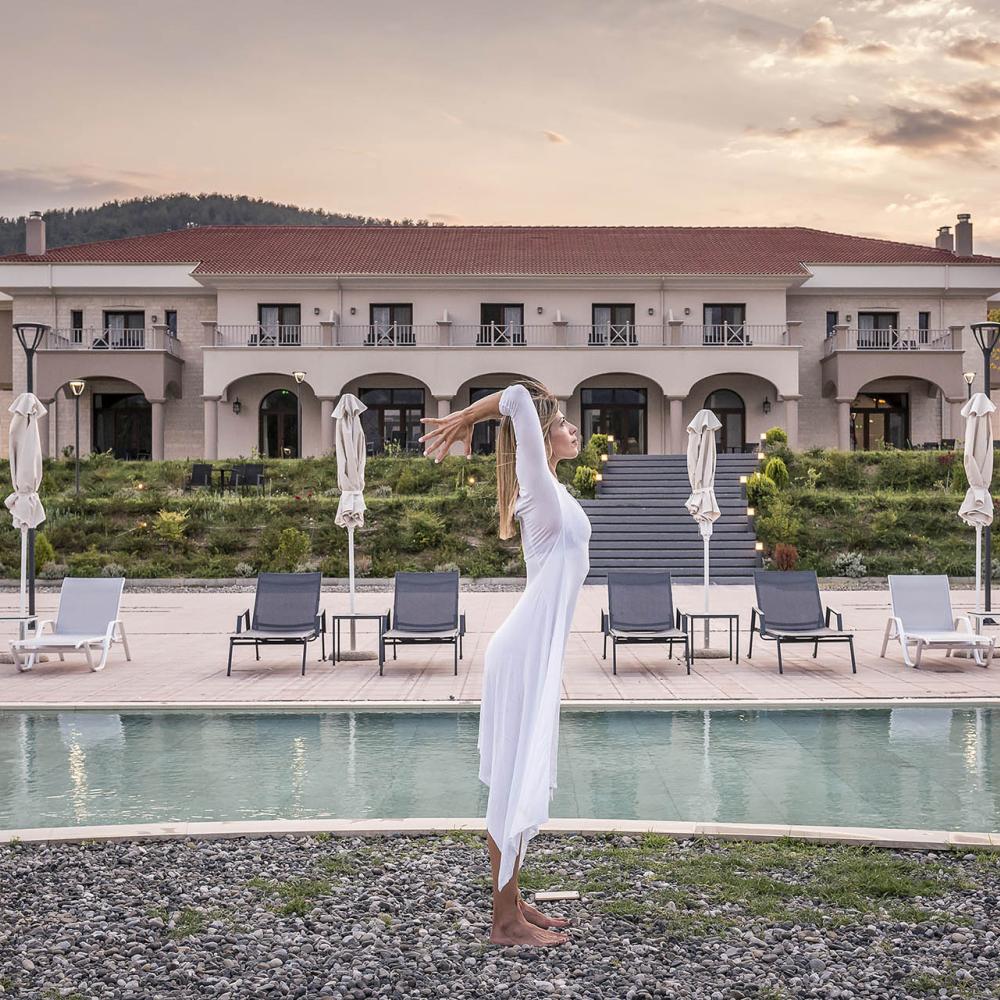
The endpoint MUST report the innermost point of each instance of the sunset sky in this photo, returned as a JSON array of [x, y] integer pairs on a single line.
[[876, 117]]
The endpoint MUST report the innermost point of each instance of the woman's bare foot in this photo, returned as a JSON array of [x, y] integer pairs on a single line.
[[538, 918], [519, 931]]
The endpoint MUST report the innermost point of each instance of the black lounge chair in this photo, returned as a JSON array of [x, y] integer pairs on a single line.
[[641, 609], [201, 475], [285, 611], [789, 609], [424, 609]]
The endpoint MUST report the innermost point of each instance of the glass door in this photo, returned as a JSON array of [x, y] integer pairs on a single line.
[[613, 325], [501, 325], [724, 324], [877, 331], [729, 407], [620, 412]]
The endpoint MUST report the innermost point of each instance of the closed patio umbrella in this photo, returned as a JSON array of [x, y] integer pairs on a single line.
[[25, 449], [702, 504], [977, 507], [351, 480]]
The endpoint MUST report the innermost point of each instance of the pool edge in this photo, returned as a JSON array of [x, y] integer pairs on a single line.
[[833, 835]]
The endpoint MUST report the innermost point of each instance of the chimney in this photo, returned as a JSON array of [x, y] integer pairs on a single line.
[[963, 235], [945, 241], [34, 241]]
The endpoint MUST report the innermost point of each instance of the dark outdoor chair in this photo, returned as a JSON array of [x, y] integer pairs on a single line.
[[253, 475], [233, 479], [641, 609], [201, 475], [424, 609], [285, 611], [789, 609]]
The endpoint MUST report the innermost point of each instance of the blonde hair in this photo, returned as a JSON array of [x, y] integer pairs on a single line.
[[507, 486]]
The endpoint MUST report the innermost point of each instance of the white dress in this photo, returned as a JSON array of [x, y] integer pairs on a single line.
[[519, 716]]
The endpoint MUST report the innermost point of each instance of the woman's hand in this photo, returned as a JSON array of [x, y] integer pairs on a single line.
[[443, 432]]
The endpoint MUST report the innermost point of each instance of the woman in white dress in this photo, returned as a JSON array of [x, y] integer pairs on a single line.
[[522, 676]]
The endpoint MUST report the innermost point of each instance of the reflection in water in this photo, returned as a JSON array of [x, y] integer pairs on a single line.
[[906, 767]]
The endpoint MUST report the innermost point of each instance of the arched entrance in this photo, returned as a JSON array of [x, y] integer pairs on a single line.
[[122, 423], [279, 424], [729, 407]]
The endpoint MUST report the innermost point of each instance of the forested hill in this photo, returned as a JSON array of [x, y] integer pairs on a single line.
[[137, 216]]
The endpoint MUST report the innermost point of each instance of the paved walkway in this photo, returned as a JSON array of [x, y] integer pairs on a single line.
[[179, 649]]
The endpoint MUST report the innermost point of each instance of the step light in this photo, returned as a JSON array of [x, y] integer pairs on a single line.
[[599, 477], [758, 546], [743, 480], [750, 512], [604, 458]]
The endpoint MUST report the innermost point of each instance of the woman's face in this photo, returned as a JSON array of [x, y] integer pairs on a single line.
[[563, 438]]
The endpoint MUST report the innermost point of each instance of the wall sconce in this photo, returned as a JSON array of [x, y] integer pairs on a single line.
[[237, 406], [540, 310], [650, 311], [299, 377], [77, 385], [766, 407], [848, 317], [315, 310], [687, 310], [154, 318], [353, 310]]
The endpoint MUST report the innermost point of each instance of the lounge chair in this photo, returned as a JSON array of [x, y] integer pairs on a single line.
[[87, 621], [922, 617], [789, 610], [285, 612], [641, 609], [424, 609], [201, 475]]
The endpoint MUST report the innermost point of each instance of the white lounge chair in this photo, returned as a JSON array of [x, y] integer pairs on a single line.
[[87, 621], [922, 617]]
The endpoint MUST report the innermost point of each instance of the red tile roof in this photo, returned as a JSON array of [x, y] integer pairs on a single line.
[[499, 250]]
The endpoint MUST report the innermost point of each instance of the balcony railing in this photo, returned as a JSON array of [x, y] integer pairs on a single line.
[[614, 335], [734, 334], [889, 340], [261, 335], [501, 335], [388, 335], [95, 339]]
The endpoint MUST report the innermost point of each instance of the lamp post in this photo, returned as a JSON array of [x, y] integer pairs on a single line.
[[987, 335], [77, 386], [969, 377], [299, 379], [30, 336]]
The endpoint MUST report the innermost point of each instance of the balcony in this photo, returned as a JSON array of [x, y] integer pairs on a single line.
[[148, 358], [853, 358], [500, 335]]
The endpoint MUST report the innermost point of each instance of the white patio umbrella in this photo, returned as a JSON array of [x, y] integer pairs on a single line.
[[351, 480], [701, 504], [977, 507], [25, 449]]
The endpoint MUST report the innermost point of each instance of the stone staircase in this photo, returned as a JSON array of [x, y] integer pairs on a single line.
[[639, 521]]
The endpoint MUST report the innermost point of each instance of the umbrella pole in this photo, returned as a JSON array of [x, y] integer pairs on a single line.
[[706, 533], [350, 573], [979, 568], [24, 572]]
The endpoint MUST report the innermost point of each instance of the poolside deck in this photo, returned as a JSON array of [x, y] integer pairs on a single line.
[[179, 649]]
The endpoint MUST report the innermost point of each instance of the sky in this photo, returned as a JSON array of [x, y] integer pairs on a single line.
[[874, 117]]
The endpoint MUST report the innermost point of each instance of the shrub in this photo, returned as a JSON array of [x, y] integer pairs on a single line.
[[170, 524], [599, 443], [53, 571], [245, 569], [44, 552], [113, 569], [447, 567], [382, 490], [849, 564], [585, 480], [290, 551], [778, 523], [777, 472], [761, 491], [421, 529], [776, 435], [786, 557]]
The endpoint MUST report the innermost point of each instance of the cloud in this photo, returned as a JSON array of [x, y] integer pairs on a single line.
[[554, 137], [875, 49], [936, 130], [978, 94], [23, 190], [444, 218], [984, 51], [818, 40], [936, 204], [915, 9], [821, 42]]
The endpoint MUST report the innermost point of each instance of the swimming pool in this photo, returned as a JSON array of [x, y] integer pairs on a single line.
[[933, 768]]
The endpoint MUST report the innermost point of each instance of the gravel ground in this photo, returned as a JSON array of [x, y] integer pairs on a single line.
[[404, 916]]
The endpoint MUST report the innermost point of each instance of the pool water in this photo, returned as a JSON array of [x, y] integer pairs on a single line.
[[901, 767]]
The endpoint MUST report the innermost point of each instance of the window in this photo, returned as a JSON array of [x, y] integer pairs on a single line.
[[832, 319], [123, 330], [724, 324], [484, 434], [619, 412], [924, 326], [170, 318], [390, 324], [280, 325], [877, 330], [613, 324], [76, 325], [500, 324], [393, 417], [729, 407]]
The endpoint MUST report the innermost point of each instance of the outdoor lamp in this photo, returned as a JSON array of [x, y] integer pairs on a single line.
[[751, 512], [767, 406], [969, 377], [598, 478], [299, 377], [987, 335], [743, 480], [604, 458], [77, 385], [758, 546], [237, 406], [761, 456]]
